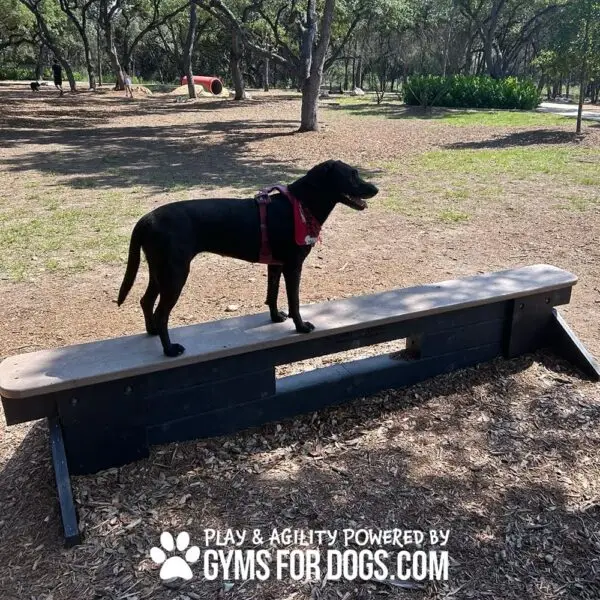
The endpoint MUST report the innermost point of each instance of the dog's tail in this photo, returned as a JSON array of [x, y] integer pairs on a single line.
[[133, 262]]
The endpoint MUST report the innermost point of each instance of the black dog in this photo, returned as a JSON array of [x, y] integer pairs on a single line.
[[35, 86], [173, 234]]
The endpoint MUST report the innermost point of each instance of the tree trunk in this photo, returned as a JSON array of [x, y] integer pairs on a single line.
[[488, 35], [236, 66], [583, 73], [126, 63], [488, 55], [114, 61], [70, 77], [81, 26], [88, 63], [541, 84], [581, 98], [346, 60], [110, 46], [447, 40], [266, 75], [316, 60], [359, 73], [189, 49], [39, 65], [310, 98], [99, 53]]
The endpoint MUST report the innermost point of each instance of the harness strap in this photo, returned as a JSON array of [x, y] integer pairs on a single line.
[[265, 257], [306, 227]]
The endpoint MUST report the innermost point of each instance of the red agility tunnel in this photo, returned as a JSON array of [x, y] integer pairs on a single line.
[[212, 84]]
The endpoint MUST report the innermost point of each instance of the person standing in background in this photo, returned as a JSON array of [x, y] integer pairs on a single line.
[[57, 73], [128, 88]]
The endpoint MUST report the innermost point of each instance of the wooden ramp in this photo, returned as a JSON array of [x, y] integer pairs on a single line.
[[108, 401]]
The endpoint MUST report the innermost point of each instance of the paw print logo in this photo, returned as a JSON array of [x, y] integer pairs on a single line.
[[175, 567]]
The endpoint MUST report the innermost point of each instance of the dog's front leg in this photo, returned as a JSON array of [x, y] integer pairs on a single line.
[[273, 278], [292, 274]]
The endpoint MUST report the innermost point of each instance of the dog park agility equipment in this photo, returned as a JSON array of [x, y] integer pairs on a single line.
[[108, 401], [211, 84]]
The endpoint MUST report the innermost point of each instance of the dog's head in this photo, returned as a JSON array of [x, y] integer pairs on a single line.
[[331, 182]]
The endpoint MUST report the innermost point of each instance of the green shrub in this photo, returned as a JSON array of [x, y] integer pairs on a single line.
[[17, 73], [466, 91]]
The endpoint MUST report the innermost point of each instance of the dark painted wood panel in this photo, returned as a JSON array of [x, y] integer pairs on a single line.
[[318, 389]]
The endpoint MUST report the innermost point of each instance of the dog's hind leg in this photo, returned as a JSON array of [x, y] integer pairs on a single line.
[[273, 278], [292, 274], [170, 290], [147, 303]]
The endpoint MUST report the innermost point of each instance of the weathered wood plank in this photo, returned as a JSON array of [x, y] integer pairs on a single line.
[[47, 371]]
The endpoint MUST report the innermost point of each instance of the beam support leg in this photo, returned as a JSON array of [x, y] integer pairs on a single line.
[[63, 484], [567, 345]]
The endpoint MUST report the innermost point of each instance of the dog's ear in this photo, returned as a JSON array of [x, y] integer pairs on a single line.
[[317, 174]]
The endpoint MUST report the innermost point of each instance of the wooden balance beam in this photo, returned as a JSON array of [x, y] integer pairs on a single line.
[[108, 401]]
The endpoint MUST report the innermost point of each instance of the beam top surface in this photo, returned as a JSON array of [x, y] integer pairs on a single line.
[[71, 367]]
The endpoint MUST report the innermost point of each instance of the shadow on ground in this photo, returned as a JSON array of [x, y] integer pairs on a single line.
[[156, 157], [534, 137], [387, 110], [94, 153]]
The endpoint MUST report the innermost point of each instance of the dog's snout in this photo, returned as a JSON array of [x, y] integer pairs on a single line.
[[374, 190]]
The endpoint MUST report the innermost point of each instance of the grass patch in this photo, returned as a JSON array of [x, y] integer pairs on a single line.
[[408, 207], [593, 181], [520, 163], [369, 97], [365, 106], [450, 215], [502, 118], [581, 204], [459, 194], [428, 206], [58, 238], [452, 186]]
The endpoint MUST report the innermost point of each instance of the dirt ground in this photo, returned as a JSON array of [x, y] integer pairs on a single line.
[[504, 455]]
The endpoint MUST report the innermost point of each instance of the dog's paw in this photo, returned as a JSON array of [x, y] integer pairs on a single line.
[[174, 350], [279, 316], [305, 327]]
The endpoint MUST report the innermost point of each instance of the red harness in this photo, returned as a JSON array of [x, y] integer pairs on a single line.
[[306, 228]]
